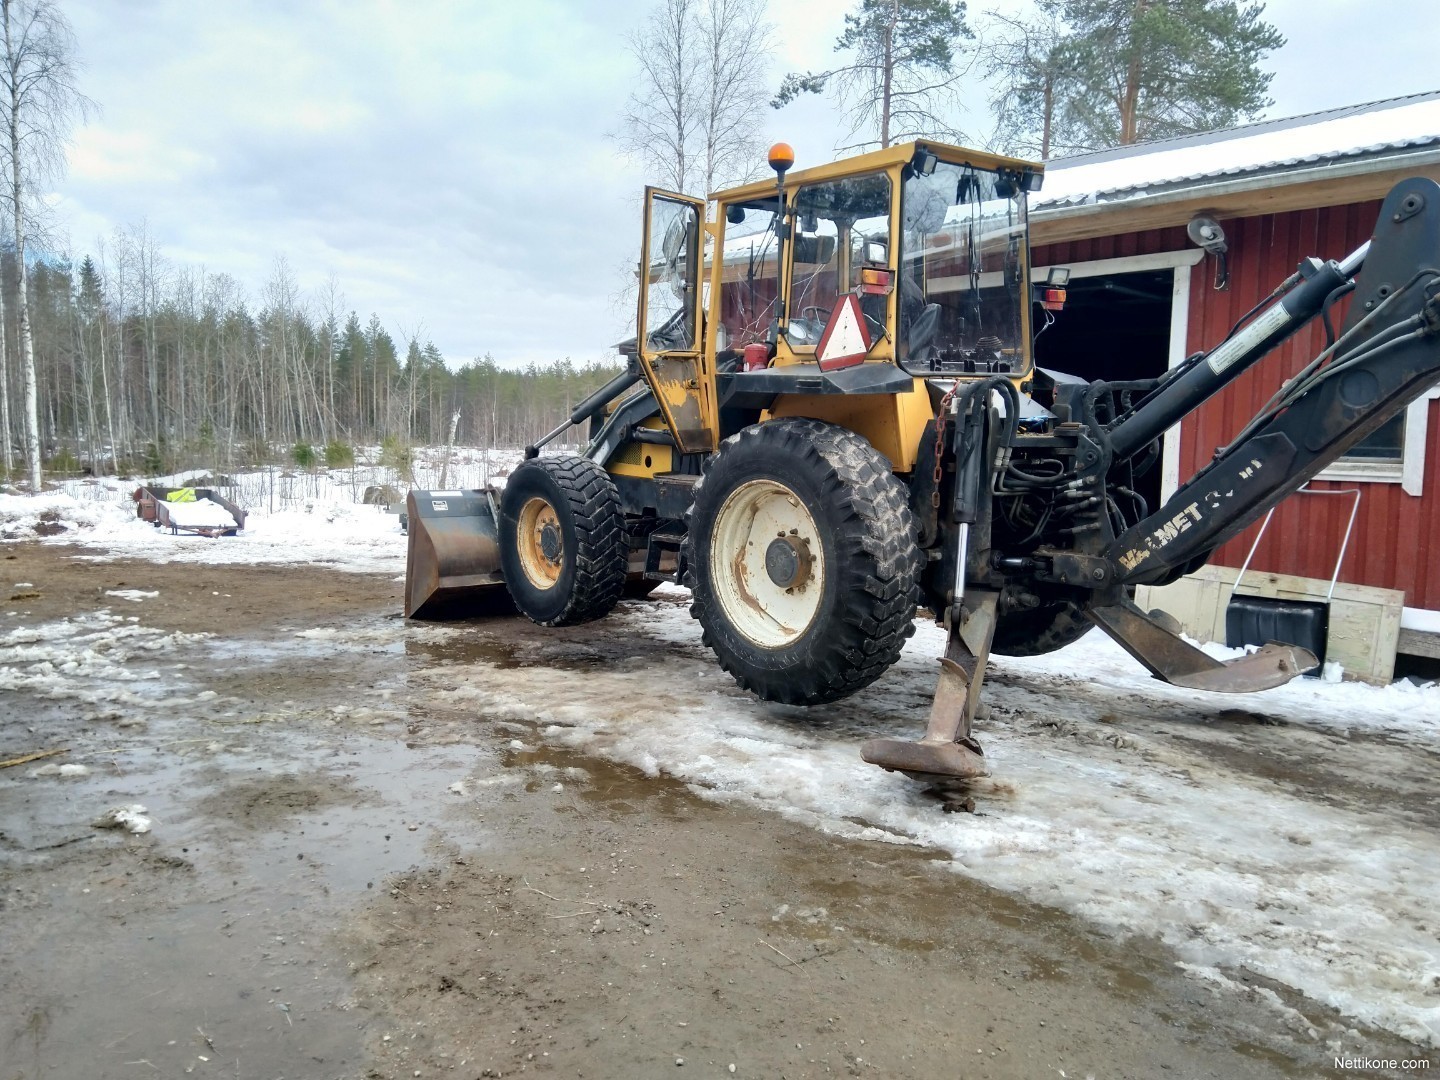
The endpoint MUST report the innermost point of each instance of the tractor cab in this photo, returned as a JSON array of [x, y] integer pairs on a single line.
[[909, 263]]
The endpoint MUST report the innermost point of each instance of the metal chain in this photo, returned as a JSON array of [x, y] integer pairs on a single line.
[[940, 442]]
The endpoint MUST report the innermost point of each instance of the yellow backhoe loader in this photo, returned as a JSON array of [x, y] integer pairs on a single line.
[[831, 417]]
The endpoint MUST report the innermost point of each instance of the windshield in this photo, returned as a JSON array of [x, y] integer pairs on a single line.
[[839, 219], [962, 271]]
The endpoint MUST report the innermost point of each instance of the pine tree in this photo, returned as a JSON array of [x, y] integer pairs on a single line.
[[1138, 70], [901, 71], [1036, 76]]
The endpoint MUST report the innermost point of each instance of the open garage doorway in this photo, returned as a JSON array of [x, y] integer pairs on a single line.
[[1118, 325]]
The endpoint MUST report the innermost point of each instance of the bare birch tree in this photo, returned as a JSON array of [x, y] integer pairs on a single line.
[[41, 100], [734, 38], [695, 116], [5, 429]]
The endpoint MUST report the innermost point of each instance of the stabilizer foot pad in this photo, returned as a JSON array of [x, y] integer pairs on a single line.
[[926, 758], [1273, 665]]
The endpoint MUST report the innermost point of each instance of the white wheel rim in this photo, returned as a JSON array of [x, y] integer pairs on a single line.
[[757, 516]]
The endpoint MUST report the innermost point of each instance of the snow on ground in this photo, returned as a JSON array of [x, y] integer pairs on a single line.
[[98, 658], [294, 516], [1290, 834], [340, 535], [1112, 797], [200, 514]]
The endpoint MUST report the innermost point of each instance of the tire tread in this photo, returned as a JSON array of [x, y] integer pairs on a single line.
[[601, 544], [876, 542]]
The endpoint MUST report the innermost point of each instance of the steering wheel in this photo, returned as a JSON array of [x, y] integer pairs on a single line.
[[823, 318]]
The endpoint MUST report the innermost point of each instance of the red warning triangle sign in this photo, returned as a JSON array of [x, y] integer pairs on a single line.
[[845, 341]]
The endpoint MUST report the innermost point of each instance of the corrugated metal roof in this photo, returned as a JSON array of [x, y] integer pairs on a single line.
[[1376, 129]]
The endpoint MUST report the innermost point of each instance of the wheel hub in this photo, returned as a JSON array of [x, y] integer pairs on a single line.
[[787, 561], [540, 544]]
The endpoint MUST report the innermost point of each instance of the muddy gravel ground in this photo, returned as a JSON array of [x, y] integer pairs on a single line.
[[347, 876]]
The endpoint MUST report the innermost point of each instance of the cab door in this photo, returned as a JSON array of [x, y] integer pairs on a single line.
[[670, 327]]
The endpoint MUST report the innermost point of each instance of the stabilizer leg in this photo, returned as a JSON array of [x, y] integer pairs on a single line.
[[948, 749]]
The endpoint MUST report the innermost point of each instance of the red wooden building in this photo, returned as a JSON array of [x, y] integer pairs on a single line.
[[1143, 297]]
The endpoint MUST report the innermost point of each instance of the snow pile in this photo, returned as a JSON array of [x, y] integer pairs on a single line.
[[131, 818], [23, 517], [202, 513], [67, 771], [1111, 797], [295, 517], [340, 534]]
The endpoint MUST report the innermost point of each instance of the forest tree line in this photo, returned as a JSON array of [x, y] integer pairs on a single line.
[[146, 368]]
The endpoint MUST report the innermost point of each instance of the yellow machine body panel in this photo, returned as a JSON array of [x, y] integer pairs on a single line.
[[892, 423], [643, 460]]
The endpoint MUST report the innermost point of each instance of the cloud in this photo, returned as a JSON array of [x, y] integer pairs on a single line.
[[448, 161]]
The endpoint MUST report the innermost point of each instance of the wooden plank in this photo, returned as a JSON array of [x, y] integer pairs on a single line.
[[23, 758], [1419, 643]]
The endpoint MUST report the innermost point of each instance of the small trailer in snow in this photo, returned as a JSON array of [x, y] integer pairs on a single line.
[[203, 511]]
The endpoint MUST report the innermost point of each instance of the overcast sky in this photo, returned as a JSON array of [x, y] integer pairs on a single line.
[[449, 162]]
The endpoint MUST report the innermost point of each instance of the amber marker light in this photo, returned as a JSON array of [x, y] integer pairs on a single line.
[[782, 156], [875, 282]]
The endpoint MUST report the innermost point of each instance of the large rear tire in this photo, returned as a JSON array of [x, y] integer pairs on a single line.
[[562, 540], [1039, 630], [802, 561]]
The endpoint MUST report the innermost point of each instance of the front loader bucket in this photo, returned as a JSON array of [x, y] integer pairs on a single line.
[[452, 565]]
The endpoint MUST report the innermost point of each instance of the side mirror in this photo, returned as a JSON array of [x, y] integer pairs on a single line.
[[875, 253]]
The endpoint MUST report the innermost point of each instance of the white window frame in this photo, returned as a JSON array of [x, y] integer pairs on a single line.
[[1409, 471], [1180, 262]]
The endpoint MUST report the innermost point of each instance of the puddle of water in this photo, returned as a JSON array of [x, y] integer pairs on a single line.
[[219, 920]]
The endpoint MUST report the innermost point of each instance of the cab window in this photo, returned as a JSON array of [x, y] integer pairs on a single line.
[[837, 224], [749, 279]]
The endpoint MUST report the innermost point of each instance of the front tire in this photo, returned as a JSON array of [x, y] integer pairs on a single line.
[[803, 562], [562, 540]]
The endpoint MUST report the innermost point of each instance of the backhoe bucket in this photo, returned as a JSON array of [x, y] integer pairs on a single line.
[[452, 565]]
